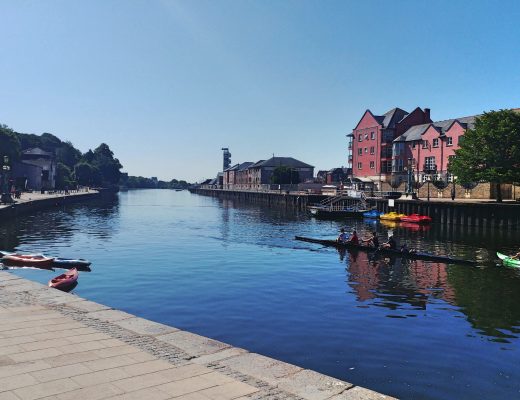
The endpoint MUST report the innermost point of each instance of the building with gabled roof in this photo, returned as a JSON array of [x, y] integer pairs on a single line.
[[262, 171], [370, 143]]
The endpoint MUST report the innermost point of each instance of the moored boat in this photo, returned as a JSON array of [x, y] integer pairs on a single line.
[[392, 216], [390, 252], [372, 214], [65, 281], [508, 261], [417, 219], [28, 260], [70, 262]]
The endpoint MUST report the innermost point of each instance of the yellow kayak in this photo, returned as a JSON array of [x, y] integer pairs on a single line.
[[392, 216]]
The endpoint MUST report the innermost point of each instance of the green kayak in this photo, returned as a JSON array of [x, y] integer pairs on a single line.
[[508, 261]]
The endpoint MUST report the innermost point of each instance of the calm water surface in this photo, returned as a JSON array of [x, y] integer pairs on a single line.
[[230, 271]]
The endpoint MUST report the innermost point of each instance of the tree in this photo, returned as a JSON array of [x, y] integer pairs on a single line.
[[109, 167], [491, 151], [9, 144], [284, 174], [64, 179]]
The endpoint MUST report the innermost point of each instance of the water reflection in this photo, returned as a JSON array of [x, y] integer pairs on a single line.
[[489, 297]]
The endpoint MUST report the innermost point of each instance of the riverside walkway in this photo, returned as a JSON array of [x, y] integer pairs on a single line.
[[55, 345]]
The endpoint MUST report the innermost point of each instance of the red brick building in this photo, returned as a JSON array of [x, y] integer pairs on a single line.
[[371, 141]]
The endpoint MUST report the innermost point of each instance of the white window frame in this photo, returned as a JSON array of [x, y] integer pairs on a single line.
[[435, 143], [450, 141]]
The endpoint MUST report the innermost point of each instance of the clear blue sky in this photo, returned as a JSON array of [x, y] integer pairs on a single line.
[[168, 83]]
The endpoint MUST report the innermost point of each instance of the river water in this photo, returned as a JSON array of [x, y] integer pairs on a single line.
[[233, 272]]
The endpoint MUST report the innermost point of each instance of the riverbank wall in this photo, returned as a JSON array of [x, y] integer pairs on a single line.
[[32, 202], [276, 199], [462, 212], [58, 345]]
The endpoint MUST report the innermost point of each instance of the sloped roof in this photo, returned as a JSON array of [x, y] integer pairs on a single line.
[[415, 132], [244, 165], [278, 161], [232, 168], [393, 116], [36, 151]]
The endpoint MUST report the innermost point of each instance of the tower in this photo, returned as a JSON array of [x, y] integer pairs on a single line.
[[226, 157]]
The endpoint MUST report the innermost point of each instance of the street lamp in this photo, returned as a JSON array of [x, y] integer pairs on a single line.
[[428, 180], [6, 196]]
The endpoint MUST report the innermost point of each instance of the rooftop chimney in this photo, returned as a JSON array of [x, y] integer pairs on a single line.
[[427, 114]]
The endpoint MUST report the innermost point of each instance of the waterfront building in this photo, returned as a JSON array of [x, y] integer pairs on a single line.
[[371, 141], [428, 148], [262, 171], [236, 176], [36, 170]]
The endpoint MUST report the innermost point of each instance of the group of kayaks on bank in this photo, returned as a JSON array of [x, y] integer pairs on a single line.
[[65, 281], [393, 216]]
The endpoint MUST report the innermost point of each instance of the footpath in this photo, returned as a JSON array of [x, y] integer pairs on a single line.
[[56, 345]]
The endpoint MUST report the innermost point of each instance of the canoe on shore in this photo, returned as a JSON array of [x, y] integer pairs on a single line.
[[65, 281], [508, 261], [389, 252], [28, 260]]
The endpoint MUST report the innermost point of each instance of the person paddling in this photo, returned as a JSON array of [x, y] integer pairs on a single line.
[[372, 241], [343, 236], [390, 244], [516, 256], [353, 238]]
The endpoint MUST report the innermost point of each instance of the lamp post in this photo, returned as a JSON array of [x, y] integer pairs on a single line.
[[428, 179], [6, 196]]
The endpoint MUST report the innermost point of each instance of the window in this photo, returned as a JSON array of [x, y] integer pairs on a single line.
[[435, 142], [429, 164], [461, 138], [372, 150], [366, 136], [424, 144], [359, 165], [360, 151], [397, 165], [360, 137], [450, 142], [366, 150], [372, 164], [372, 135], [413, 145], [386, 166]]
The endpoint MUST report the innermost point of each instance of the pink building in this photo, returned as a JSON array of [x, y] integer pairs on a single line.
[[427, 148], [371, 142]]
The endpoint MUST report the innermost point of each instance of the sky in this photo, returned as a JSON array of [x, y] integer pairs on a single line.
[[168, 83]]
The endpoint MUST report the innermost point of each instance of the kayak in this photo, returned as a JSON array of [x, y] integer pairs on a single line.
[[70, 262], [372, 214], [392, 216], [508, 261], [65, 281], [391, 252], [28, 260], [417, 219]]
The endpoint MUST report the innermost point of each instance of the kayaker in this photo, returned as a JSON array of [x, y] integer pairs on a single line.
[[372, 241], [516, 256], [343, 236], [390, 244], [354, 238]]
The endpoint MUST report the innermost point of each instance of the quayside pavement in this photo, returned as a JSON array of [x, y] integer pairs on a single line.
[[55, 345]]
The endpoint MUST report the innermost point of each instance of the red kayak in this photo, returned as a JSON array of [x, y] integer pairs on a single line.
[[65, 281], [417, 219], [33, 260]]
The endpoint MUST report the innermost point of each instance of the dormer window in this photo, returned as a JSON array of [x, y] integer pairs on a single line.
[[435, 142], [450, 141]]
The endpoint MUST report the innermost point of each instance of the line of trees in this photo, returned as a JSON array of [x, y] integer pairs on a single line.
[[96, 167], [139, 182]]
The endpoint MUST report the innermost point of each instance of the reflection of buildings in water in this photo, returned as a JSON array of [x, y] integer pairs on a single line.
[[396, 281]]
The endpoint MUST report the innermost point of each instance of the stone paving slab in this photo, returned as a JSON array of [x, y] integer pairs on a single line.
[[55, 345]]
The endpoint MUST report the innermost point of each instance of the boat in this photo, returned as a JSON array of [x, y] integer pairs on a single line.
[[417, 219], [320, 211], [392, 216], [508, 261], [60, 262], [30, 260], [65, 281], [389, 252], [372, 214]]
